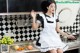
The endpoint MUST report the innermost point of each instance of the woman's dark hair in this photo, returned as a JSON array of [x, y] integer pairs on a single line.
[[45, 4]]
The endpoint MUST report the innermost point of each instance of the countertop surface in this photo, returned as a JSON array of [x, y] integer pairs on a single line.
[[72, 45]]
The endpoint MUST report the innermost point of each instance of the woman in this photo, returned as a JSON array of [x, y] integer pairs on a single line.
[[49, 39]]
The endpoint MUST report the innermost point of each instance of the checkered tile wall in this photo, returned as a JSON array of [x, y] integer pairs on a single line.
[[23, 33], [76, 25]]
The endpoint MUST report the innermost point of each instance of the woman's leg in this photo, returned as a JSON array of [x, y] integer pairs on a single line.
[[53, 51], [59, 50]]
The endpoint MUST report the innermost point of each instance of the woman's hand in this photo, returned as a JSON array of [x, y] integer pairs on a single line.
[[35, 25], [71, 37], [33, 14]]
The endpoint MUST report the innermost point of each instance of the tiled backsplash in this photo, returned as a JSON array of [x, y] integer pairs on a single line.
[[20, 26]]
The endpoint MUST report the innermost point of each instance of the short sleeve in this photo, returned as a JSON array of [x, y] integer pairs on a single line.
[[57, 18], [40, 19]]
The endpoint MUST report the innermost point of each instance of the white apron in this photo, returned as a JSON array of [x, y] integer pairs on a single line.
[[49, 39]]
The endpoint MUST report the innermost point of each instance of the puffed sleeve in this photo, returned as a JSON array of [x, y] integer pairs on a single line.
[[40, 20], [57, 18]]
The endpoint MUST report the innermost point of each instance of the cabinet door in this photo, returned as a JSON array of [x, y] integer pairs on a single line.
[[72, 51], [24, 5], [3, 6]]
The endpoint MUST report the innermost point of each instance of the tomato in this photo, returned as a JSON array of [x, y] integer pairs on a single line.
[[29, 47]]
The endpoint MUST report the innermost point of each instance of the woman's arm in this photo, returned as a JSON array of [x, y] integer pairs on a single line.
[[59, 30], [63, 33], [35, 25]]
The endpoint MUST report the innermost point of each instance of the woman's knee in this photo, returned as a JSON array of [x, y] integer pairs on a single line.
[[53, 51], [59, 50]]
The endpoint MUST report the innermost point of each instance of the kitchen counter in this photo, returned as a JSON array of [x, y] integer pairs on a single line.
[[72, 46]]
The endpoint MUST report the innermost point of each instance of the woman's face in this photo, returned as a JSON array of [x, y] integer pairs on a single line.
[[51, 8]]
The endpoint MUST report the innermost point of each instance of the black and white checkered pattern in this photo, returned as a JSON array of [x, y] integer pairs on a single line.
[[23, 33], [76, 25]]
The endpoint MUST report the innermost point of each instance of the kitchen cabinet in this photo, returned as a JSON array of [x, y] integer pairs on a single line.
[[3, 6], [19, 5], [72, 51], [74, 48]]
